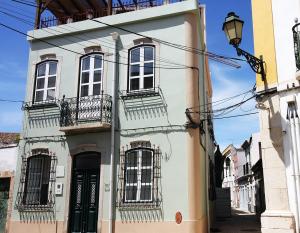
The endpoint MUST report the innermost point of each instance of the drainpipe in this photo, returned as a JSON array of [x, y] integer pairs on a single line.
[[295, 167], [115, 37], [296, 120]]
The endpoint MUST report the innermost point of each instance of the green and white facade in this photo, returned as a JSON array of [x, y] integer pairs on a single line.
[[99, 95]]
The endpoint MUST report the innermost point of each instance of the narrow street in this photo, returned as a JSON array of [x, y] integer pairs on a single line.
[[239, 222]]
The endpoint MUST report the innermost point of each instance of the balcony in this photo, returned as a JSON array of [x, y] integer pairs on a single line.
[[85, 114]]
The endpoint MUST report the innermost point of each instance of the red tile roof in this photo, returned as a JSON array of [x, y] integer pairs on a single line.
[[9, 138]]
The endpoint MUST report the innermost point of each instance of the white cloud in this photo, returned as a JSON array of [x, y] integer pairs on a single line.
[[228, 82]]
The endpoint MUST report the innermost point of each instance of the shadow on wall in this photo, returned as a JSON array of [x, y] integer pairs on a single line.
[[144, 105], [136, 215], [37, 216], [43, 118]]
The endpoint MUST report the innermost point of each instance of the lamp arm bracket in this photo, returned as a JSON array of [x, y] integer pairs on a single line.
[[256, 64]]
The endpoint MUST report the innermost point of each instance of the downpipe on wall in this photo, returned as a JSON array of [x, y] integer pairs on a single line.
[[295, 166], [115, 37]]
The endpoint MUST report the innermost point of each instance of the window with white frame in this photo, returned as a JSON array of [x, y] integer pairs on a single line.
[[45, 82], [91, 72], [141, 68], [138, 175]]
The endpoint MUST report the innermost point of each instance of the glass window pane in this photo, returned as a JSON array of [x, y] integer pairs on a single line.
[[148, 68], [97, 62], [40, 82], [96, 89], [85, 77], [52, 68], [39, 96], [131, 158], [41, 70], [134, 70], [148, 53], [134, 84], [135, 55], [131, 193], [84, 90], [146, 176], [50, 94], [145, 193], [97, 76], [148, 82], [51, 81], [146, 158], [86, 63], [131, 176]]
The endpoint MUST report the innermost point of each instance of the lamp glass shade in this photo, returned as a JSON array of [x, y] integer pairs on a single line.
[[233, 28]]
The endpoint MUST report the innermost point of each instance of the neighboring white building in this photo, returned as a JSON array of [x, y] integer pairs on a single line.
[[229, 155], [242, 171], [8, 162], [277, 39]]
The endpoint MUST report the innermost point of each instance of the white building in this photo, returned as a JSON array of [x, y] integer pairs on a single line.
[[8, 162]]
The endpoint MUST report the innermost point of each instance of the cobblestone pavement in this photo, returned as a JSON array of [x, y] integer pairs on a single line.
[[240, 222]]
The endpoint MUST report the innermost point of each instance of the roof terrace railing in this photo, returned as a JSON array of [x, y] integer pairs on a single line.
[[117, 8]]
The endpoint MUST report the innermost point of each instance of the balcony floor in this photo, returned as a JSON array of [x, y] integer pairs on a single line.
[[86, 128]]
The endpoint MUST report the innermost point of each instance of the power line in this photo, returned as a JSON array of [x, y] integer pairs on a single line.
[[233, 116], [78, 53], [25, 3], [219, 58], [157, 58], [178, 46], [11, 101]]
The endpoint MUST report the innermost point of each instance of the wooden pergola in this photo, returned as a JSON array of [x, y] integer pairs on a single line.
[[68, 8]]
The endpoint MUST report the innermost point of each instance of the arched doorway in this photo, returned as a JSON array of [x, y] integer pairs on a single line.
[[85, 193]]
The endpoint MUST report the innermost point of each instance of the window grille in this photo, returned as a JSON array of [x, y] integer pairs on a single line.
[[37, 179], [139, 176], [291, 111]]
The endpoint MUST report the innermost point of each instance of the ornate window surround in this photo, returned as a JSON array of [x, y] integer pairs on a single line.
[[20, 203], [156, 191]]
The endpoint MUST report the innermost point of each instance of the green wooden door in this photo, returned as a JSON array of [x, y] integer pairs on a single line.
[[4, 196], [84, 196]]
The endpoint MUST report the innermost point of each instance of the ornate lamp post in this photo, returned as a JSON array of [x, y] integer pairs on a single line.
[[233, 28]]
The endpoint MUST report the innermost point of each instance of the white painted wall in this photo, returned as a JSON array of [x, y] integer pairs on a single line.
[[254, 148], [284, 15], [8, 158]]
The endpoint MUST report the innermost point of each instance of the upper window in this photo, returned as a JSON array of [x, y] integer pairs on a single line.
[[45, 86], [141, 68], [138, 175], [91, 72], [37, 180]]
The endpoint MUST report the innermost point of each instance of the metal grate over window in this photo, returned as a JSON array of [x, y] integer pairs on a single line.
[[139, 177], [36, 187]]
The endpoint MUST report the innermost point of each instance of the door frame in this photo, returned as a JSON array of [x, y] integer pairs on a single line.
[[82, 149]]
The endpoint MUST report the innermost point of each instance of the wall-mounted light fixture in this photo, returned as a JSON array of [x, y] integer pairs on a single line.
[[233, 28]]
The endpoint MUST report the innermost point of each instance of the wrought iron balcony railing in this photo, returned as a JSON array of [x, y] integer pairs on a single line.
[[88, 109], [296, 35]]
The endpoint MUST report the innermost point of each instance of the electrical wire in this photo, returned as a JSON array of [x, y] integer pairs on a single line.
[[11, 101], [81, 54], [233, 116], [157, 58], [219, 58]]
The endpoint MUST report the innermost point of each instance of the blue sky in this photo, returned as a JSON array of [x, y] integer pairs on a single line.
[[227, 81]]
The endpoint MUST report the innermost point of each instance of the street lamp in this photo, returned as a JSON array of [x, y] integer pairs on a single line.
[[233, 28]]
